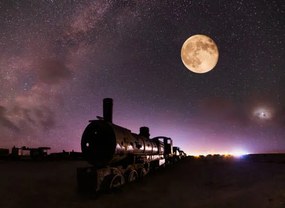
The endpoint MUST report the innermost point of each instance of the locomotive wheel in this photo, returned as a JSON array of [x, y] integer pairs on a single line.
[[142, 172], [131, 175], [117, 181], [112, 182]]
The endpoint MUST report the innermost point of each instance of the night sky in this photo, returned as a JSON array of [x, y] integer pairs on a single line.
[[60, 58]]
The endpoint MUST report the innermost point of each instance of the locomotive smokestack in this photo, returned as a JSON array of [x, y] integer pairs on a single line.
[[108, 109], [144, 131]]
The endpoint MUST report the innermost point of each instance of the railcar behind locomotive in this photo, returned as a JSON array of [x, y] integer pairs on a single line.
[[117, 155]]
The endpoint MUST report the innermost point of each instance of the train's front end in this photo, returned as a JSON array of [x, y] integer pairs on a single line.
[[98, 143]]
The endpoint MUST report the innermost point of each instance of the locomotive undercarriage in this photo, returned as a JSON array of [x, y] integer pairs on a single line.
[[92, 179]]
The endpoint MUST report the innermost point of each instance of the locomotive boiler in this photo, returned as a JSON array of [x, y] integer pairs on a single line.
[[117, 155]]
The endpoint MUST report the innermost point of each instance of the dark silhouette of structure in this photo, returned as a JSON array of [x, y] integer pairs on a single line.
[[29, 153], [65, 155]]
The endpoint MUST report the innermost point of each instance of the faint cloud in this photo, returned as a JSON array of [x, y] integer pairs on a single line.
[[5, 122], [52, 71]]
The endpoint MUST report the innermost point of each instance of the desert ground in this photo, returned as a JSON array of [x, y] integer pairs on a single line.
[[239, 183]]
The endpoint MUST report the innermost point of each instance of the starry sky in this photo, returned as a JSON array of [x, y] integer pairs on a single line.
[[60, 58]]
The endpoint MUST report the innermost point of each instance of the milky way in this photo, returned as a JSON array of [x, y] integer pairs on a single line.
[[60, 58]]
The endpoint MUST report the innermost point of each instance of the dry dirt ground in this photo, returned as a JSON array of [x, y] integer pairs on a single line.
[[191, 183]]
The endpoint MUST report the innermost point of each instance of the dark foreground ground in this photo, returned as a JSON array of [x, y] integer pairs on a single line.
[[191, 183]]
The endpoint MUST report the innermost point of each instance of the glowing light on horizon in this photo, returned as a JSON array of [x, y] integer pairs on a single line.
[[239, 153], [234, 153]]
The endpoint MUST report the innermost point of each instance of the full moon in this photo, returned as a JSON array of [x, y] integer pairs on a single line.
[[199, 54]]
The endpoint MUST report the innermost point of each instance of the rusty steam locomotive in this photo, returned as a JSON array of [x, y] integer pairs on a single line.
[[117, 155]]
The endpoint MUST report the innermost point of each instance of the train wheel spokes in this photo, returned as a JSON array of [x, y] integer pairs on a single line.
[[112, 182], [132, 175], [116, 181]]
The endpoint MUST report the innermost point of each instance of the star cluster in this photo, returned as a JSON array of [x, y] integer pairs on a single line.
[[60, 58]]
